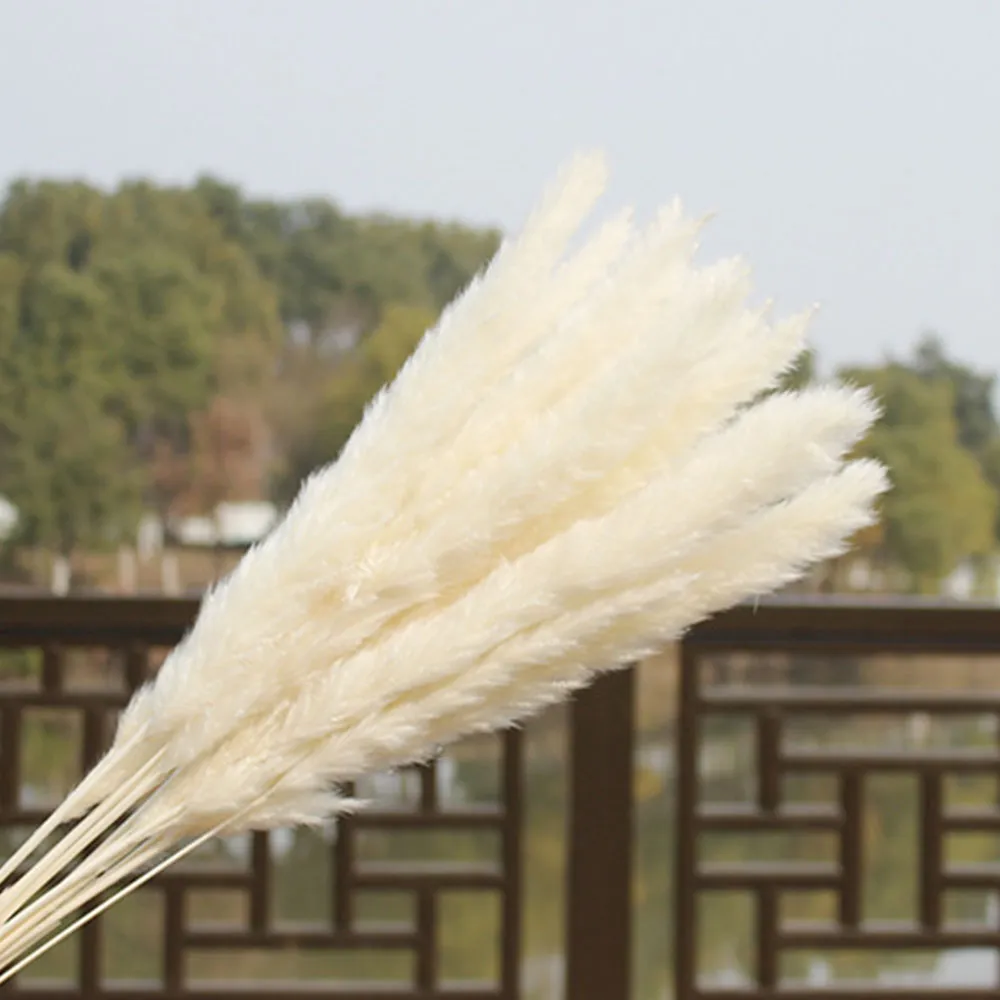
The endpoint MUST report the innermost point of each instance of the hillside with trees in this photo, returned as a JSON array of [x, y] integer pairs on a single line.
[[165, 350]]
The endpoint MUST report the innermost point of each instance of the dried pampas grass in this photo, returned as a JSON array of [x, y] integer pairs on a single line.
[[575, 465]]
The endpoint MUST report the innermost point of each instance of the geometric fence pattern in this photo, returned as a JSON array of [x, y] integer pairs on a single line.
[[772, 715], [61, 688], [228, 922]]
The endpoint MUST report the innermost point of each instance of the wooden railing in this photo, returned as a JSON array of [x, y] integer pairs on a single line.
[[772, 673]]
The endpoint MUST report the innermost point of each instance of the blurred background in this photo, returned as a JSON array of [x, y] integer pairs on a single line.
[[226, 223]]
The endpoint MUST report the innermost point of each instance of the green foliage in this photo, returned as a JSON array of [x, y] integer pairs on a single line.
[[940, 439], [374, 281], [972, 393], [146, 346], [802, 373], [64, 460], [358, 377], [941, 509], [120, 315], [329, 268], [370, 367], [175, 347]]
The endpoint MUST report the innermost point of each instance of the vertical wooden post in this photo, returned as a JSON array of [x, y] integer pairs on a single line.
[[685, 849], [599, 896]]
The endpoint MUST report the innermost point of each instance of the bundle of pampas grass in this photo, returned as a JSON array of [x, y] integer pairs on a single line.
[[581, 460]]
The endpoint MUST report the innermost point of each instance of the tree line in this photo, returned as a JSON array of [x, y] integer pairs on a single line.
[[939, 436], [169, 348], [165, 349]]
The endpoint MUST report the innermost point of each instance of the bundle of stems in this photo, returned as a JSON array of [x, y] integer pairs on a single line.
[[582, 459]]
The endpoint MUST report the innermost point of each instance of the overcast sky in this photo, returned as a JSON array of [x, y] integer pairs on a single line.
[[851, 148]]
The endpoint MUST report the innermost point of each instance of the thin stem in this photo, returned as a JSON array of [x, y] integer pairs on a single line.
[[64, 811], [57, 904], [78, 839], [108, 859], [131, 887]]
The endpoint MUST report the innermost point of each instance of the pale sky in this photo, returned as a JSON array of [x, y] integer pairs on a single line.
[[850, 148]]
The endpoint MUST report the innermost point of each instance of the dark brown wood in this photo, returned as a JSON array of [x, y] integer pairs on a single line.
[[599, 904], [827, 631], [843, 626], [10, 760], [128, 629], [768, 763], [278, 990], [850, 850], [173, 938], [487, 818], [427, 922], [97, 620], [51, 668], [511, 840], [343, 867], [89, 959], [136, 660], [428, 788], [931, 849], [850, 992], [260, 891], [304, 939], [834, 701], [598, 949], [767, 938], [685, 856]]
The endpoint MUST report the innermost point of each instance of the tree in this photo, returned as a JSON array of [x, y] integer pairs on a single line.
[[121, 316], [331, 268], [802, 373], [941, 509], [64, 459], [372, 365], [972, 393], [227, 460], [150, 348], [357, 378]]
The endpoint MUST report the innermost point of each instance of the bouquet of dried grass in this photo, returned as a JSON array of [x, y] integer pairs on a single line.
[[577, 463]]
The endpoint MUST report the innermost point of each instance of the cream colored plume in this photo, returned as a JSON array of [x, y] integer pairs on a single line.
[[579, 462]]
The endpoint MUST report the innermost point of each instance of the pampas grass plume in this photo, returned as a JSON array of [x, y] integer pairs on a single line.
[[582, 459]]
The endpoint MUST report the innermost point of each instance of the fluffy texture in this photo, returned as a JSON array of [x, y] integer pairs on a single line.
[[578, 463]]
